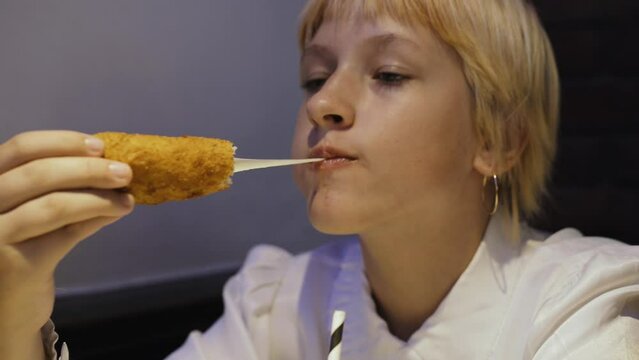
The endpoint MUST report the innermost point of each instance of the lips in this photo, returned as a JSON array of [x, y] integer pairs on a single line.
[[334, 157]]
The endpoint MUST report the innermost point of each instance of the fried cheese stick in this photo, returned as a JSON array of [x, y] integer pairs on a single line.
[[171, 168]]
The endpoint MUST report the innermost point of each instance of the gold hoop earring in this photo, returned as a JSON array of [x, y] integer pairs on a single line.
[[495, 181]]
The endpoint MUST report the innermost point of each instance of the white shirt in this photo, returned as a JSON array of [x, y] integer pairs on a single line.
[[565, 296]]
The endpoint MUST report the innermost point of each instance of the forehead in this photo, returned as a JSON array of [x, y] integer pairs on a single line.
[[374, 35], [383, 29], [318, 12]]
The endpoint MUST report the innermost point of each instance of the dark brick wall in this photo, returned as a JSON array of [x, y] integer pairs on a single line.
[[595, 185]]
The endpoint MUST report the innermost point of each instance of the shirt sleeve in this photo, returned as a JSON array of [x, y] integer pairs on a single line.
[[598, 331], [242, 331], [594, 313]]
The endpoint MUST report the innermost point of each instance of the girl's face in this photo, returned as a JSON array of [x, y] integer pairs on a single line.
[[389, 105]]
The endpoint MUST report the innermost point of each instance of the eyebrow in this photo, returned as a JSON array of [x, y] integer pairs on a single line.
[[381, 42], [316, 50]]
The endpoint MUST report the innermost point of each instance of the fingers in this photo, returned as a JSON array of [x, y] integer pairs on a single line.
[[56, 210], [49, 249], [28, 146], [42, 176]]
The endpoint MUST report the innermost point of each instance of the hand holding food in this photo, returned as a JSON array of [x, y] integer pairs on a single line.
[[55, 190]]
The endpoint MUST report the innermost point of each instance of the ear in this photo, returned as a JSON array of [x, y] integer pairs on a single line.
[[484, 161], [488, 162]]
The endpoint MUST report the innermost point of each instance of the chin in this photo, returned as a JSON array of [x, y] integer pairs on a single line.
[[334, 217], [332, 227]]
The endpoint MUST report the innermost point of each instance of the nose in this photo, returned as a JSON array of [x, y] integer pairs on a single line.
[[332, 107]]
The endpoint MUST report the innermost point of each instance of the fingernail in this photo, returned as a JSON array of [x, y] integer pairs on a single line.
[[120, 170], [94, 145]]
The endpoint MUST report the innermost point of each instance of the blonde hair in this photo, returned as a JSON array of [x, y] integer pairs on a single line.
[[510, 69]]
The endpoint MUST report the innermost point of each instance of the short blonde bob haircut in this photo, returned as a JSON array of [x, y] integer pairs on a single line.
[[510, 69]]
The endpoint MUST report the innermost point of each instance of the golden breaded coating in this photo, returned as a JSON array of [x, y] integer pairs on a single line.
[[171, 168]]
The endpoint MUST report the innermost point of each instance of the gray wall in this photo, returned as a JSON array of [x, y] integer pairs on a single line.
[[218, 68]]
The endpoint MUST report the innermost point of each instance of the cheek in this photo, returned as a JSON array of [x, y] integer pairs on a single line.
[[426, 152], [438, 130], [437, 159]]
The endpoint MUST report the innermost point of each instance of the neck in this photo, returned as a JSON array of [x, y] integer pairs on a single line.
[[411, 264]]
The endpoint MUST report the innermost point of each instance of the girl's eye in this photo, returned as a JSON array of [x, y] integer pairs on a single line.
[[390, 78], [314, 85]]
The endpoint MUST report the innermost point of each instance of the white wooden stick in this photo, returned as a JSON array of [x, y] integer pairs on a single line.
[[250, 164]]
